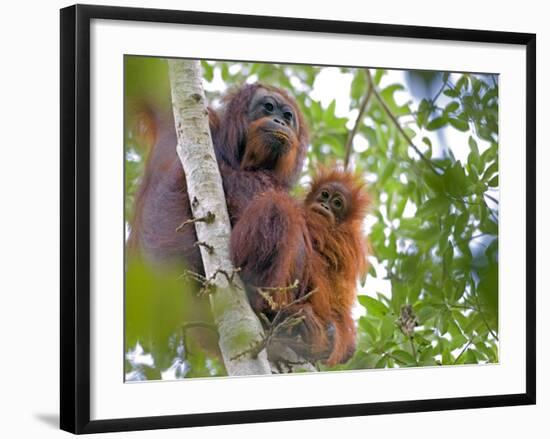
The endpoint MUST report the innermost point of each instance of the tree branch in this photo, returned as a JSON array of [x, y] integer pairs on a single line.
[[493, 199], [464, 349], [358, 121]]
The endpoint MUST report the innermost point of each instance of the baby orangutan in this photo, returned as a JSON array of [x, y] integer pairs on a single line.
[[318, 242], [334, 211]]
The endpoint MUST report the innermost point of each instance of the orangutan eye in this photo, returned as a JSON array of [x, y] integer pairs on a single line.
[[288, 115], [337, 203], [324, 195], [269, 106]]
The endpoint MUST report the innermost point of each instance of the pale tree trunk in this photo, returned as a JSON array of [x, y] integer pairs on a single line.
[[238, 327]]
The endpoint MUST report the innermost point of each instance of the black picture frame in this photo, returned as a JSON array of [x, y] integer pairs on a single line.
[[75, 217]]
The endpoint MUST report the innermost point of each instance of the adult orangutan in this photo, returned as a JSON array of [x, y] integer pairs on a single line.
[[260, 140], [319, 243]]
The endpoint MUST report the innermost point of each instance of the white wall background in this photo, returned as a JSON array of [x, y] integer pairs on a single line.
[[29, 169]]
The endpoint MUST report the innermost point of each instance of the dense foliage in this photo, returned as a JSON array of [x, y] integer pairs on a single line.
[[427, 142]]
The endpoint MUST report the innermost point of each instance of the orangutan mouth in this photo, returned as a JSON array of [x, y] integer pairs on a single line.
[[321, 210], [280, 135]]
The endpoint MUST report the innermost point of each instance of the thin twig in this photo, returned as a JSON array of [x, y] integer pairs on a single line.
[[208, 219], [464, 349], [266, 293], [482, 314], [493, 199], [443, 85], [278, 289], [258, 346], [279, 322], [208, 285], [208, 247], [188, 274], [230, 277], [358, 121]]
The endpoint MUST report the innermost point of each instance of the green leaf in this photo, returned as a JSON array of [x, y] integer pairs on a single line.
[[328, 115], [434, 181], [381, 363], [398, 295], [378, 76], [455, 180], [488, 292], [460, 224], [387, 328], [473, 145], [490, 171], [488, 225], [387, 172], [399, 207], [451, 93], [443, 321], [488, 352], [369, 328], [434, 206], [470, 357], [474, 322], [404, 357], [426, 357], [457, 341], [383, 298], [225, 72], [426, 313], [426, 234], [207, 71], [409, 267], [387, 93], [358, 85], [452, 107], [373, 306], [151, 318], [462, 83], [423, 112], [446, 357], [474, 160], [316, 110], [436, 123], [459, 124]]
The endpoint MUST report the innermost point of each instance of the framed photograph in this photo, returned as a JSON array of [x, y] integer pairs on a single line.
[[340, 214]]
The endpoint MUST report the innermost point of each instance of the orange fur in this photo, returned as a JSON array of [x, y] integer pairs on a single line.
[[281, 240], [338, 260], [257, 156]]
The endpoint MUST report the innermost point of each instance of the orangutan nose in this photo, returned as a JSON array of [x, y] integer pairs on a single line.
[[279, 121]]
